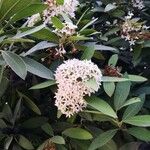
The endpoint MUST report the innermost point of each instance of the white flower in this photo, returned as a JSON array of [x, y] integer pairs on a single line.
[[33, 20], [69, 7], [71, 77]]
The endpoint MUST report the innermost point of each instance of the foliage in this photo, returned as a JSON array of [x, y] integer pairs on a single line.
[[116, 117]]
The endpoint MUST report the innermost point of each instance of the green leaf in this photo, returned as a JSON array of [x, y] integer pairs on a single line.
[[58, 140], [46, 34], [16, 63], [43, 85], [92, 84], [113, 60], [131, 101], [78, 38], [34, 122], [121, 94], [88, 53], [40, 46], [38, 69], [28, 11], [140, 133], [105, 48], [141, 120], [3, 86], [25, 143], [136, 78], [47, 129], [2, 124], [60, 2], [57, 23], [134, 108], [28, 32], [113, 79], [102, 139], [101, 106], [109, 88], [77, 133], [30, 104], [88, 24]]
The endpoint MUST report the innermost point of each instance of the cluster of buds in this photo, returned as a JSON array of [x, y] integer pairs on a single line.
[[71, 78], [132, 29]]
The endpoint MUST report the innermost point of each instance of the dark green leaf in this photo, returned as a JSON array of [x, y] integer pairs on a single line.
[[47, 129], [78, 133], [43, 85], [101, 105], [38, 69], [16, 63], [141, 120], [102, 139]]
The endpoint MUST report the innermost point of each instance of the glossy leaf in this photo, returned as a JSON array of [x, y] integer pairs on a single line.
[[101, 106], [58, 140]]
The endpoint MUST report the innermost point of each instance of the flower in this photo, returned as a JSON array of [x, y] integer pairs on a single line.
[[33, 20], [69, 7], [139, 4], [71, 77], [132, 29]]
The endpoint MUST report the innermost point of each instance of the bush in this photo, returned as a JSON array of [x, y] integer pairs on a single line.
[[74, 74]]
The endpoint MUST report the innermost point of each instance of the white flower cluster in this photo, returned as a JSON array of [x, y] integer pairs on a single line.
[[71, 77], [132, 29], [69, 7], [68, 29], [138, 4]]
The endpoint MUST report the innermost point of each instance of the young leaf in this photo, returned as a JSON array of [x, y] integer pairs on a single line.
[[38, 69], [141, 120], [101, 106], [16, 63], [109, 88], [78, 133], [43, 85], [140, 133], [102, 139]]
